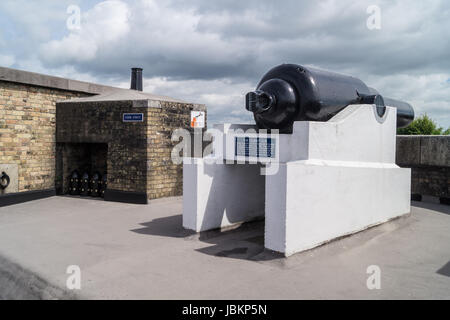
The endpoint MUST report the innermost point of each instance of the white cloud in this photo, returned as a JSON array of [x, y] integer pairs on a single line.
[[7, 60], [102, 28], [427, 93], [213, 52], [224, 97]]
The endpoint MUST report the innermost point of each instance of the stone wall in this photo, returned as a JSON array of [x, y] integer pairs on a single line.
[[27, 132], [429, 160]]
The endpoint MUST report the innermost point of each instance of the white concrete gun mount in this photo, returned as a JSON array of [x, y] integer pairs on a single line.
[[324, 181]]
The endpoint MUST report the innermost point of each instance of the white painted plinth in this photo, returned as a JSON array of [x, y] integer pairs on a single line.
[[334, 178], [311, 202], [220, 195]]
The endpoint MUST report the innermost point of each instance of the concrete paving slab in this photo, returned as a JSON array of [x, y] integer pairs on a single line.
[[142, 252]]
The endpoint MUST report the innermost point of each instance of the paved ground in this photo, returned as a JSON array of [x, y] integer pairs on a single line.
[[131, 251]]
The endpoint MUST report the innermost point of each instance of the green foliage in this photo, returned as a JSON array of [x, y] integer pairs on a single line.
[[423, 125]]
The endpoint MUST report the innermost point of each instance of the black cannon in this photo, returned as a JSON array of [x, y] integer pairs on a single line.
[[290, 92], [96, 184], [84, 184], [74, 183]]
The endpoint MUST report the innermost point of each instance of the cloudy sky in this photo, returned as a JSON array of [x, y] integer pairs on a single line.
[[213, 52]]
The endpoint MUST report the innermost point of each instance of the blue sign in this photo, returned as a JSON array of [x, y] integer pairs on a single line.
[[133, 117]]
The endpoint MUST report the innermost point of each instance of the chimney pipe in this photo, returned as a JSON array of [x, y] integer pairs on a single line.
[[136, 79]]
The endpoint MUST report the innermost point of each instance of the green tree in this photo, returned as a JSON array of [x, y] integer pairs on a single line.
[[423, 125]]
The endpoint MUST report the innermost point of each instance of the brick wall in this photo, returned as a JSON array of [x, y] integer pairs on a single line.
[[27, 132], [101, 122], [139, 154], [165, 179]]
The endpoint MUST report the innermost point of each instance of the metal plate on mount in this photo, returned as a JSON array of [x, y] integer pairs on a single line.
[[255, 147]]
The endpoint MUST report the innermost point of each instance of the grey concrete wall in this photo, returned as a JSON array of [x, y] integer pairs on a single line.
[[423, 151], [429, 159]]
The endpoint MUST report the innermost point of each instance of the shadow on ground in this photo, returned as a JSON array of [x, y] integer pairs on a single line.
[[441, 208], [445, 270], [245, 242]]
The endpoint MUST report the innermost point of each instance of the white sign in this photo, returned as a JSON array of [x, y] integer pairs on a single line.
[[197, 119]]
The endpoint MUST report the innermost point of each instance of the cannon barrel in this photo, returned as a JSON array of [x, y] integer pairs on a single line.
[[290, 92]]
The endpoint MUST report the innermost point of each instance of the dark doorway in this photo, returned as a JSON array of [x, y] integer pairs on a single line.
[[84, 157]]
